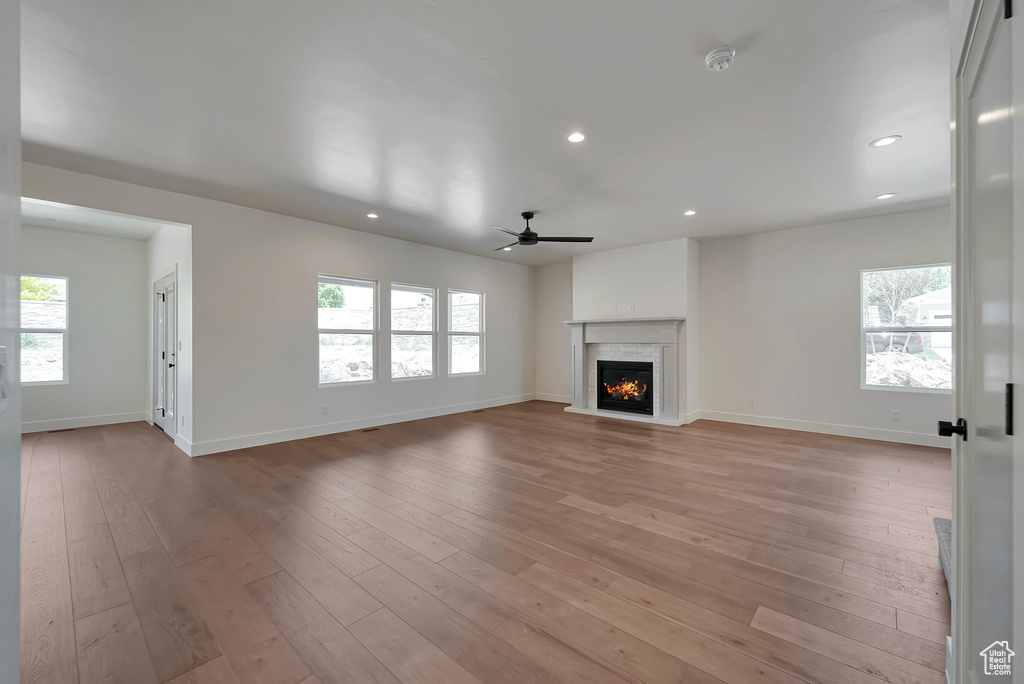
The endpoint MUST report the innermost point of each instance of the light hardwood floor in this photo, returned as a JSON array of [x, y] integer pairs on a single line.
[[517, 544]]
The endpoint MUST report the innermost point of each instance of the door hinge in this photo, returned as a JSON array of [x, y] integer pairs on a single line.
[[1008, 9], [1009, 409]]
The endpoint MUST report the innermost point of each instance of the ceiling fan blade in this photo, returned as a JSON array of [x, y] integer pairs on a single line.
[[565, 239], [505, 230], [514, 244]]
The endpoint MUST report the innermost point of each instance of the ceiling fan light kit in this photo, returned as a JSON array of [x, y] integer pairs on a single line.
[[528, 237]]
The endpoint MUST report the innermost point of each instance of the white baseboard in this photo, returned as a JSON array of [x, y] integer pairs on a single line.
[[918, 438], [231, 443], [557, 398], [84, 421], [183, 444]]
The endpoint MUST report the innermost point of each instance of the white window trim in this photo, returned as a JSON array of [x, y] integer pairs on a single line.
[[865, 329], [66, 372], [456, 333], [423, 333], [338, 280]]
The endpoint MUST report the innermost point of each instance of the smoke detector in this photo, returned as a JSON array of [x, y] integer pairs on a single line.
[[720, 59]]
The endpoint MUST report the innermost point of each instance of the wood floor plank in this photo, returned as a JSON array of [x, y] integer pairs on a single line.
[[329, 543], [43, 537], [129, 525], [329, 650], [97, 581], [342, 597], [486, 657], [176, 633], [112, 649], [48, 650], [404, 651], [216, 671], [323, 510], [253, 645], [463, 597], [82, 506], [415, 538], [493, 552], [201, 534], [688, 646], [926, 628], [864, 658]]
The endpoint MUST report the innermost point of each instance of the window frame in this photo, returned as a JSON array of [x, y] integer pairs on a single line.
[[339, 280], [66, 347], [433, 329], [481, 334], [867, 329]]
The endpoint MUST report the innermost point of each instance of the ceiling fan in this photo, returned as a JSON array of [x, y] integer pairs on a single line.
[[528, 237]]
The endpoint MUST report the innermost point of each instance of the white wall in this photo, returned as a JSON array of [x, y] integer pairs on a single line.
[[10, 411], [170, 251], [554, 337], [106, 329], [780, 323], [646, 281], [254, 339]]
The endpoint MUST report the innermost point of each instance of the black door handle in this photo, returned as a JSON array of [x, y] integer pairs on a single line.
[[170, 365], [947, 429]]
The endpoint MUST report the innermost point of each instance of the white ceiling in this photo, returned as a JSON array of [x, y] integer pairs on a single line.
[[446, 117], [45, 214]]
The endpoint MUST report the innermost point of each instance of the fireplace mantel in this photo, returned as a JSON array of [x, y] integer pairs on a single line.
[[665, 335], [626, 320]]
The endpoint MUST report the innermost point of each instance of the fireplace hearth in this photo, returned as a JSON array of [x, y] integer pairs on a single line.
[[625, 386]]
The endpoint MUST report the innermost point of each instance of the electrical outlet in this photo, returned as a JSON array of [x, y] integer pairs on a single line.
[[896, 414], [752, 402], [632, 306], [323, 410]]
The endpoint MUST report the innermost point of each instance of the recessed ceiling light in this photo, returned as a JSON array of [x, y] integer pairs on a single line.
[[690, 212], [507, 249], [577, 136], [885, 195], [886, 141], [372, 215]]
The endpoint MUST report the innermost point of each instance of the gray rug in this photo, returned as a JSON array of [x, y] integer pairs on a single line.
[[944, 531]]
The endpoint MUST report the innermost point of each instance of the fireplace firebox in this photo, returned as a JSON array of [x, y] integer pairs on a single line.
[[625, 386]]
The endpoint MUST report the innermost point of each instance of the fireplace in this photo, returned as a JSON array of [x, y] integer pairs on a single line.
[[625, 386]]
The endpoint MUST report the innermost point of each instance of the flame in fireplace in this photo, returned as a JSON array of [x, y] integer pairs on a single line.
[[626, 390]]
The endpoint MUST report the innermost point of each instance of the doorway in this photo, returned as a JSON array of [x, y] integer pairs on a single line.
[[165, 354]]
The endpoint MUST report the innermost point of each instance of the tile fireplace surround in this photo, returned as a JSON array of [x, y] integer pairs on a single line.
[[658, 340]]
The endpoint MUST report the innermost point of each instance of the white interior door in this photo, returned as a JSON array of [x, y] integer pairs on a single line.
[[165, 348], [983, 454]]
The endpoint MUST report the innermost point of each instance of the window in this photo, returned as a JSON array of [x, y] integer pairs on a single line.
[[465, 332], [44, 330], [347, 321], [907, 328], [413, 328]]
